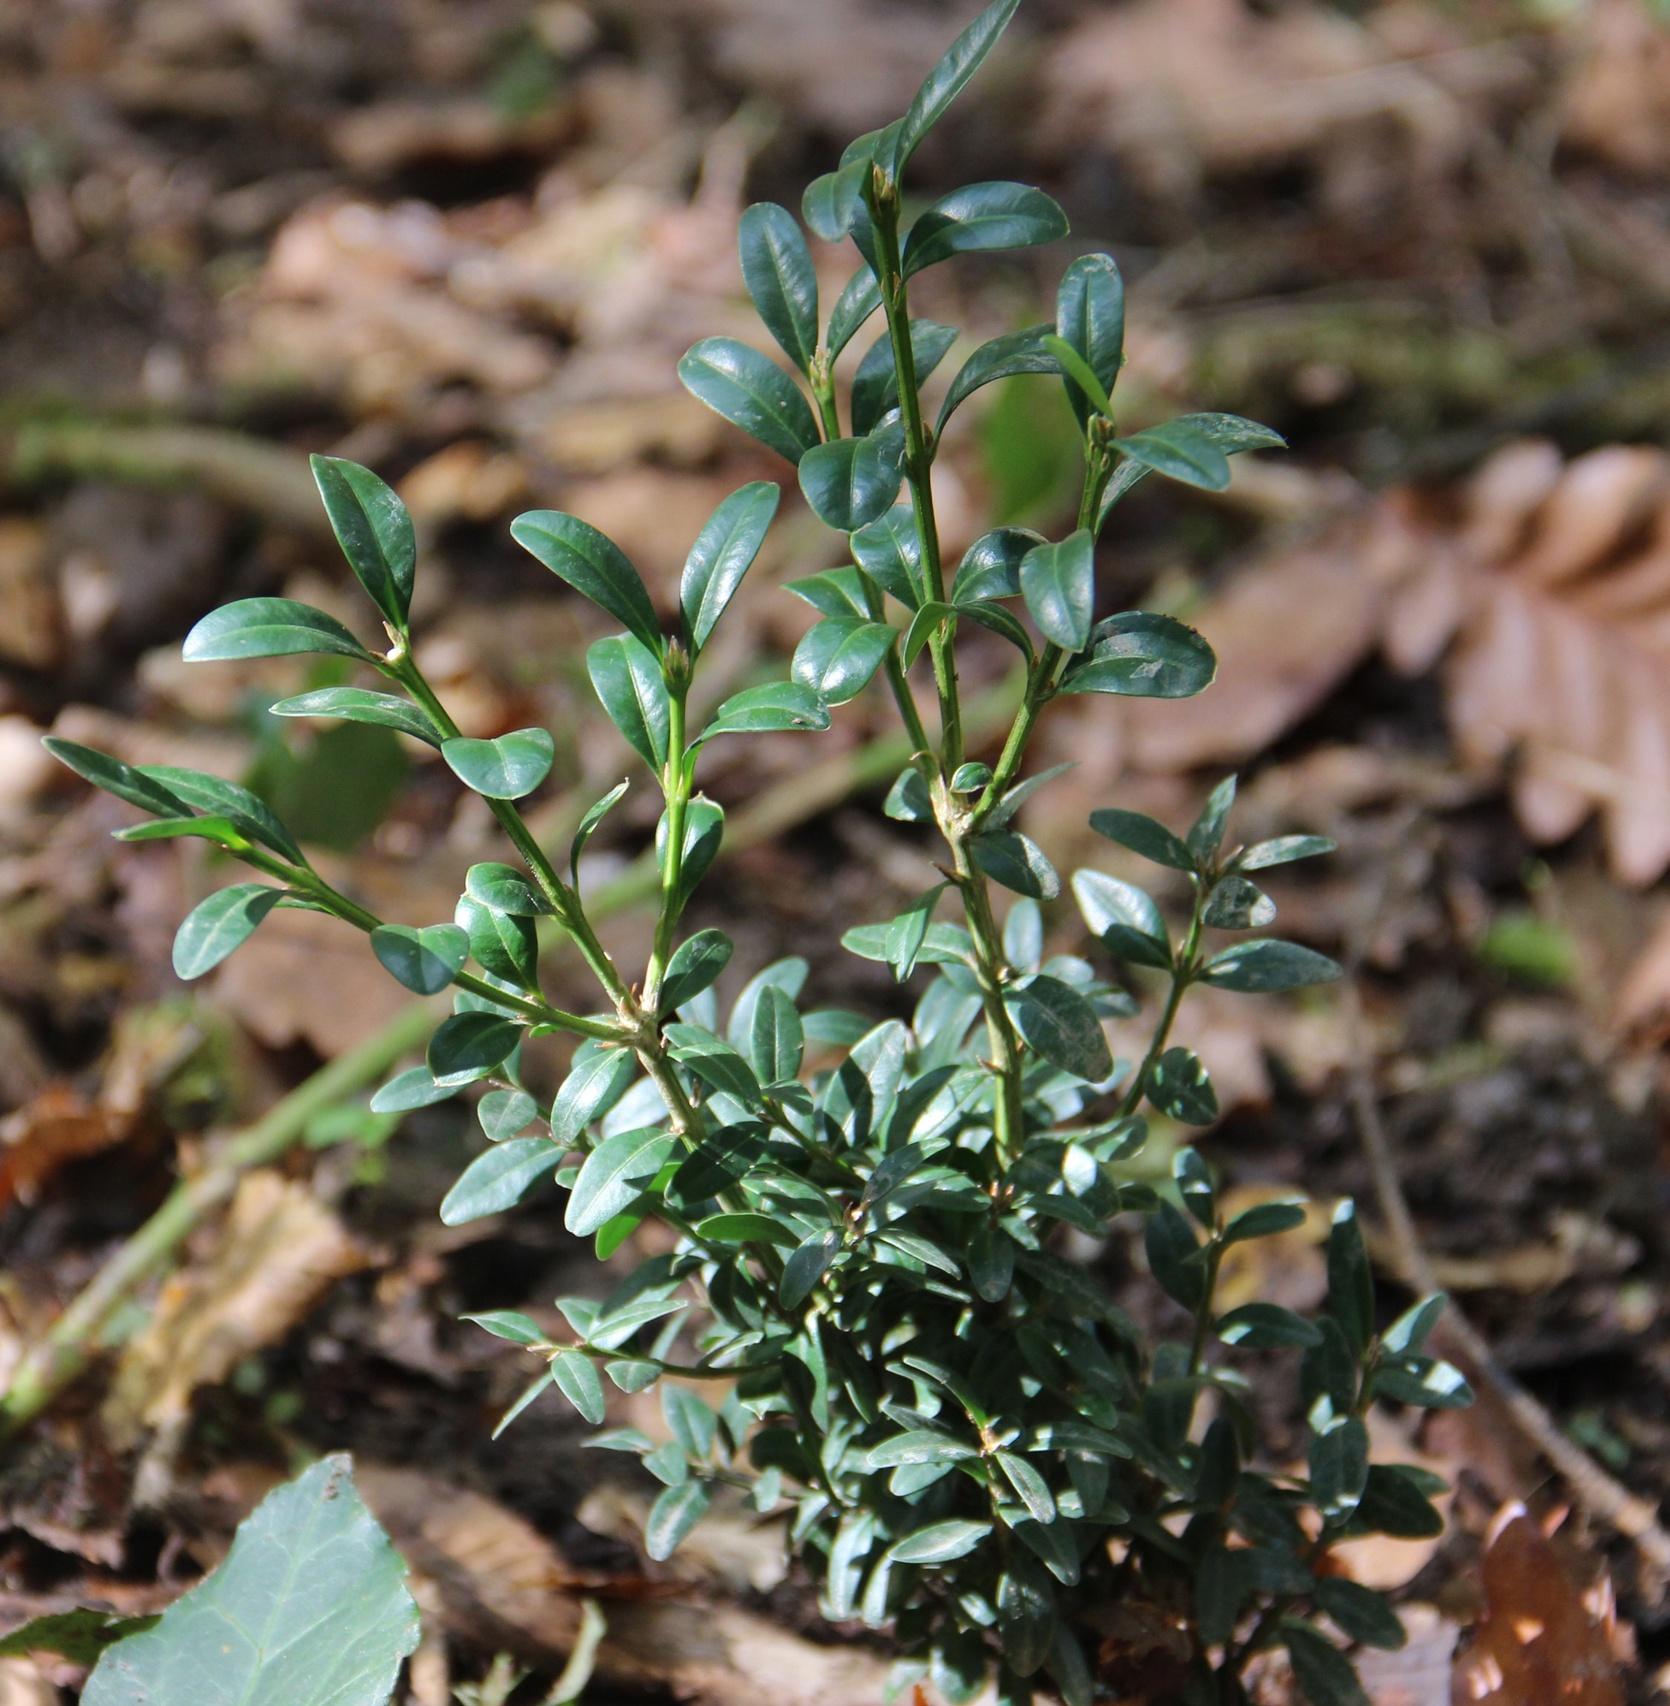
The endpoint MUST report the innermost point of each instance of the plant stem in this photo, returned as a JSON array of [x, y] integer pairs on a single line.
[[675, 786], [1181, 976]]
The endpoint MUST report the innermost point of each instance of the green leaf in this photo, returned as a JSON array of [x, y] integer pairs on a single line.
[[1324, 1673], [360, 705], [980, 217], [672, 1517], [1264, 1220], [373, 529], [1407, 1335], [777, 268], [1058, 583], [126, 782], [576, 1377], [1003, 357], [889, 551], [859, 299], [1284, 850], [1350, 1278], [1267, 965], [423, 959], [626, 676], [927, 621], [1425, 1382], [221, 830], [1179, 1086], [1362, 1613], [1236, 904], [849, 482], [79, 1636], [1178, 451], [836, 658], [695, 964], [704, 830], [587, 826], [918, 1445], [776, 1036], [505, 1113], [1079, 374], [309, 1608], [1058, 1023], [1174, 1256], [834, 203], [875, 386], [1143, 835], [1206, 833], [596, 1081], [268, 628], [1030, 1487], [1396, 1502], [944, 944], [1025, 1615], [593, 564], [214, 927], [806, 1265], [907, 932], [1193, 1179], [220, 798], [834, 592], [751, 392], [1017, 862], [504, 889], [991, 1263], [504, 943], [1124, 918], [1266, 1326], [744, 1228], [1090, 317], [1143, 656], [713, 1060], [505, 768], [991, 566], [499, 1178], [771, 706], [413, 1088], [1338, 1467], [939, 1542], [1226, 433], [615, 1175], [469, 1045], [948, 78], [724, 550]]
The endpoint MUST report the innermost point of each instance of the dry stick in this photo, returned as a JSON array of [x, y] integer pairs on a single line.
[[1600, 1494], [85, 1327]]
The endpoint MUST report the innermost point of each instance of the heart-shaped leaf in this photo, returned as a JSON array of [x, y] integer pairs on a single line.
[[627, 678], [1058, 583], [850, 481], [373, 529], [426, 959], [724, 549], [752, 392], [499, 1178], [837, 658], [1090, 318], [1143, 656], [214, 927], [777, 268], [504, 768], [981, 217], [267, 628], [360, 705], [593, 564]]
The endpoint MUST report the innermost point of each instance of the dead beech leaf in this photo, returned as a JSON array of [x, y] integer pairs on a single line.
[[58, 1126], [278, 1252], [1616, 101], [1542, 1640]]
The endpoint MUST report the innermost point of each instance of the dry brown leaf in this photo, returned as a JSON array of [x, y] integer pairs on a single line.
[[58, 1126], [1542, 1639], [1616, 102], [277, 1254]]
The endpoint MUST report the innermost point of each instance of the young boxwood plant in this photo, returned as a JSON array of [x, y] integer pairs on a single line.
[[977, 1452]]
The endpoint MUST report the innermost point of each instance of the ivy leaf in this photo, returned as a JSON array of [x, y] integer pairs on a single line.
[[1017, 862], [594, 565], [1268, 965], [982, 217], [1061, 1026], [1226, 433], [470, 1045], [836, 658], [751, 392], [1058, 583], [777, 268], [673, 1515], [724, 550], [695, 964], [875, 386], [360, 705], [615, 1175], [948, 78], [425, 960], [309, 1561], [268, 628], [374, 530], [773, 705], [505, 768], [627, 679], [1125, 918], [214, 927], [1090, 318], [991, 566], [499, 1178], [1179, 1086], [1143, 656], [1145, 836], [850, 481]]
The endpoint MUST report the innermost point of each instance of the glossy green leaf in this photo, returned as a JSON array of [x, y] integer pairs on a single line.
[[1426, 1382], [505, 889], [413, 1088], [1266, 1326], [1056, 1022], [1264, 1220], [889, 551], [746, 1228], [776, 1036], [704, 830], [498, 1178], [587, 826], [837, 658], [1143, 835], [423, 959], [1206, 833], [594, 565], [981, 217], [596, 1081], [1363, 1614], [309, 1608], [214, 927], [627, 678], [875, 386], [615, 1175], [1127, 920], [220, 798], [575, 1376], [1397, 1501], [773, 705], [1173, 1252], [1144, 656], [373, 529], [713, 1061], [1090, 317], [360, 705], [940, 1542], [503, 943], [724, 550], [991, 566], [1268, 965], [833, 203], [834, 592], [850, 481], [1350, 1278], [505, 1113], [777, 268], [948, 78], [1003, 357], [752, 392], [125, 781], [1283, 851], [907, 932], [470, 1045], [859, 299], [1227, 434], [1324, 1674], [1017, 862], [695, 964], [673, 1515], [267, 628], [1058, 583], [1407, 1335], [806, 1265], [505, 768], [924, 625], [1179, 1086], [1236, 904], [220, 830]]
